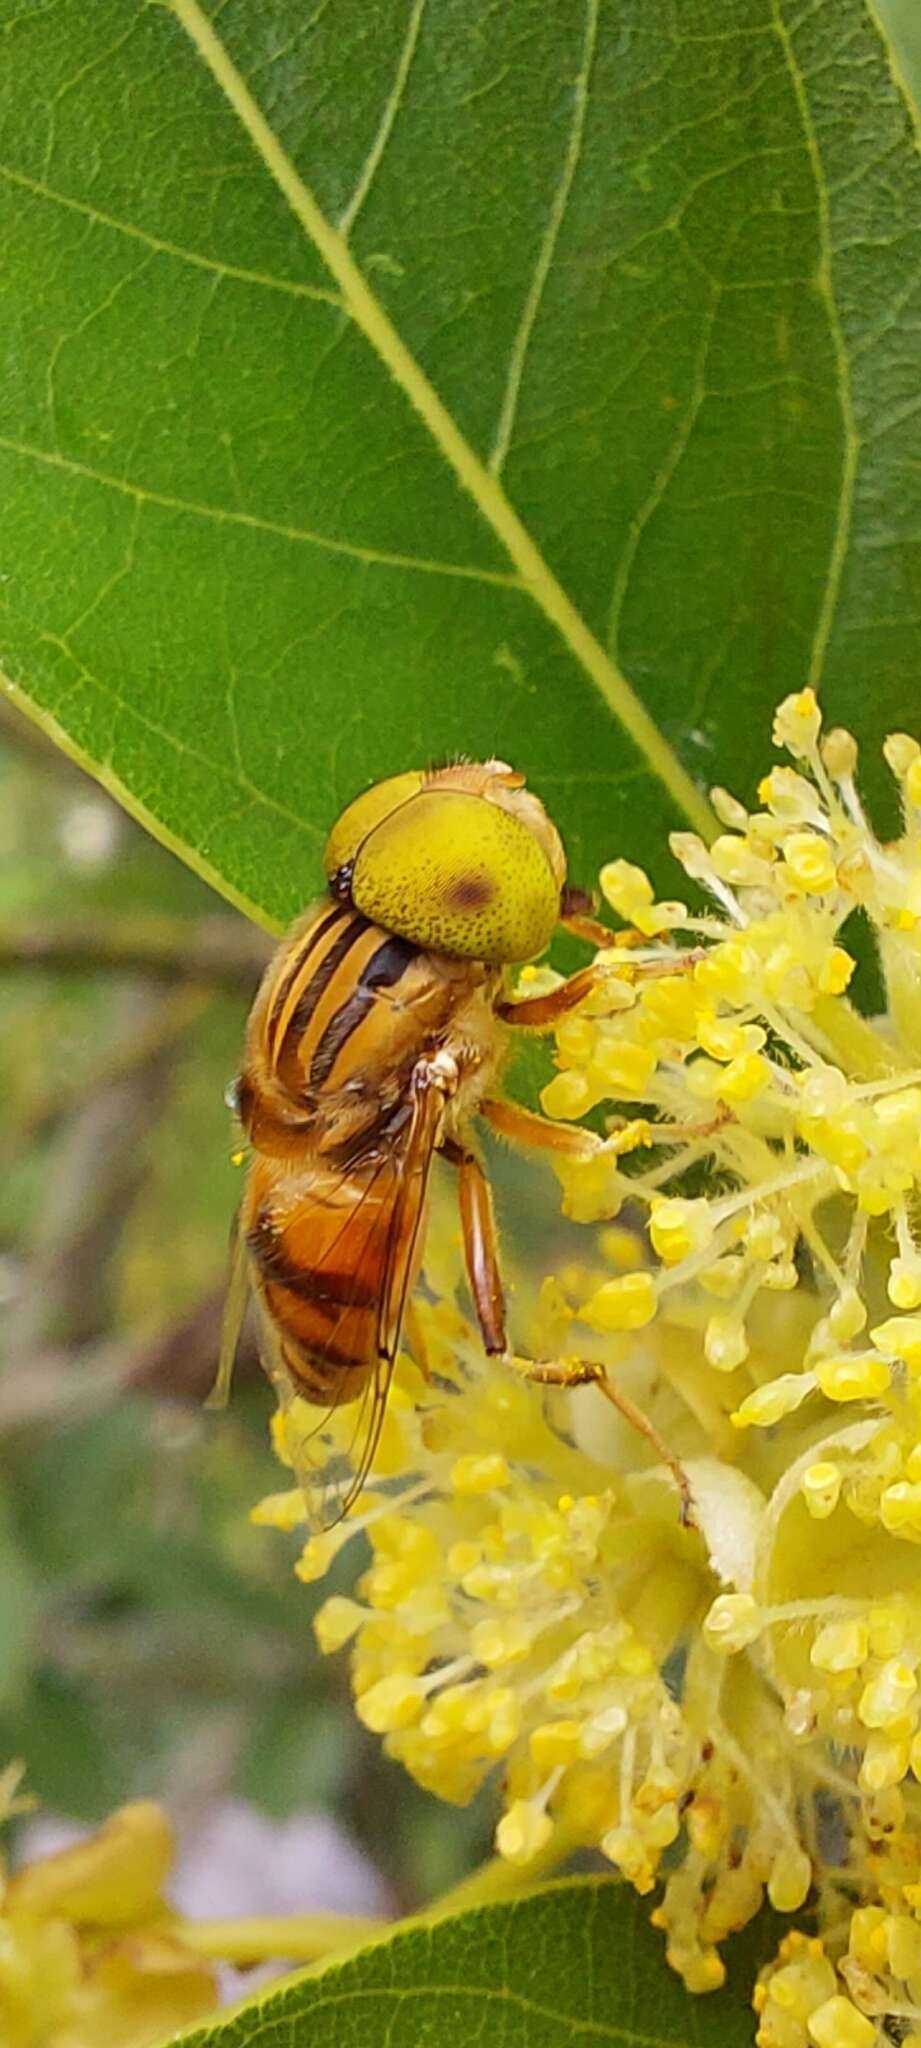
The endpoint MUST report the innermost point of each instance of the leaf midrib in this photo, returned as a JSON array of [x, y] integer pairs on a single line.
[[475, 478]]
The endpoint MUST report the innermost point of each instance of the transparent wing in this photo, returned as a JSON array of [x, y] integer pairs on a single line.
[[238, 1289], [382, 1233]]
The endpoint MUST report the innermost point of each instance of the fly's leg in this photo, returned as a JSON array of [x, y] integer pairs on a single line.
[[481, 1247], [577, 916], [588, 928], [238, 1290], [582, 1372], [525, 1127], [484, 1275], [541, 1013], [581, 925]]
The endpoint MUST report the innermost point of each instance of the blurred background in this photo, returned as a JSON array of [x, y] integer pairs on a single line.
[[152, 1642]]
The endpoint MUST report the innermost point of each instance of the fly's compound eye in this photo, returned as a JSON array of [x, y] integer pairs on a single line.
[[359, 819], [457, 874]]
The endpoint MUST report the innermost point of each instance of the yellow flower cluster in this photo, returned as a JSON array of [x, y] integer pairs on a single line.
[[89, 1954], [744, 1695]]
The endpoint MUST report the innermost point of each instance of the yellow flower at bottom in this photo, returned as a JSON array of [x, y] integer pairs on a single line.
[[90, 1954]]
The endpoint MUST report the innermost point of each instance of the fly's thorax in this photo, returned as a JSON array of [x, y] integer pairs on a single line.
[[345, 1010], [277, 1008]]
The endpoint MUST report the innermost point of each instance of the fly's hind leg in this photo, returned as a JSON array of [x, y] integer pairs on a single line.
[[582, 1372], [485, 1279]]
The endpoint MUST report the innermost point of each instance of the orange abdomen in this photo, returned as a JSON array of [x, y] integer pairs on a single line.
[[318, 1242]]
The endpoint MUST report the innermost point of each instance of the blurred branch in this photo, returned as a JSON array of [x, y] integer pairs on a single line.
[[66, 1296], [179, 1363], [169, 1023], [54, 1387], [62, 1386], [98, 1176], [222, 950]]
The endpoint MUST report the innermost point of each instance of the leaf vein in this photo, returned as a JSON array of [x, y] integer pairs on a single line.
[[506, 421], [254, 796], [500, 1994], [392, 106], [666, 471], [99, 218], [224, 515]]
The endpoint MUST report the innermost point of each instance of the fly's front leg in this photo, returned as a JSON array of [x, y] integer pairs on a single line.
[[525, 1127], [581, 925], [541, 1013], [577, 916]]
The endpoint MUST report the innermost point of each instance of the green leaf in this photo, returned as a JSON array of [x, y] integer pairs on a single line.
[[902, 21], [414, 378], [574, 1963]]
